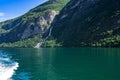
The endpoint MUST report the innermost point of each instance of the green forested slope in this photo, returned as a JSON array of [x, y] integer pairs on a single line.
[[89, 23]]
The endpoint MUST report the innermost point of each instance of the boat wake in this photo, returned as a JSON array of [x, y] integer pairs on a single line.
[[7, 67]]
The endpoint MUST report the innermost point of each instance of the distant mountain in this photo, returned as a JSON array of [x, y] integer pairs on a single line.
[[88, 23], [31, 24]]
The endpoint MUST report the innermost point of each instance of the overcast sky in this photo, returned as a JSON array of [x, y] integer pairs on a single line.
[[13, 8]]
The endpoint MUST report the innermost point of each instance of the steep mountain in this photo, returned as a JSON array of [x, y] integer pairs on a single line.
[[31, 24], [88, 23]]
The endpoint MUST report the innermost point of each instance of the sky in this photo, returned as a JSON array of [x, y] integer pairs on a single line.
[[13, 8]]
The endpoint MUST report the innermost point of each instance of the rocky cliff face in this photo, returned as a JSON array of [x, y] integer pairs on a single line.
[[39, 26], [88, 23], [30, 28], [33, 23]]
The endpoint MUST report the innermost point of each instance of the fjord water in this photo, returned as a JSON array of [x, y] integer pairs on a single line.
[[65, 63]]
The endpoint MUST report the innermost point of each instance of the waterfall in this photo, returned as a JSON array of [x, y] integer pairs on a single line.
[[44, 39]]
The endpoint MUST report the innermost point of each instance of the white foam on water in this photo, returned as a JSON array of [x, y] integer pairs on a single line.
[[7, 67]]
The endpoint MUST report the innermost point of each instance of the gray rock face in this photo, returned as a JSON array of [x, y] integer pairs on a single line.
[[40, 26]]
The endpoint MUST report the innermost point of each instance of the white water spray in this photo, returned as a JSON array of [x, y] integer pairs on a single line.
[[7, 67]]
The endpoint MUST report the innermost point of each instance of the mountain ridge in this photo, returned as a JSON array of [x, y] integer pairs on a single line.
[[80, 23], [31, 24], [39, 17]]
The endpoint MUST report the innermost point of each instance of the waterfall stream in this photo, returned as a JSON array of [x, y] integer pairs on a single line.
[[44, 39]]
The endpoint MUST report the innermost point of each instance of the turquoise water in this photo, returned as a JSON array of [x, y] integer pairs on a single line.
[[65, 63]]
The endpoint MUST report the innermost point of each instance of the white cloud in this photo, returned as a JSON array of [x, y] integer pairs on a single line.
[[1, 14]]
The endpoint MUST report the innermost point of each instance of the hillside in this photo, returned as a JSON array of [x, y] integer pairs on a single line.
[[33, 23], [88, 23]]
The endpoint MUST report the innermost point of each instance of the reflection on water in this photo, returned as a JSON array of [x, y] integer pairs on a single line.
[[67, 63]]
